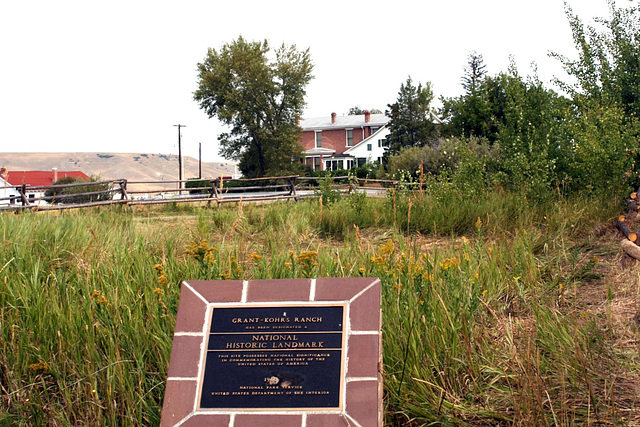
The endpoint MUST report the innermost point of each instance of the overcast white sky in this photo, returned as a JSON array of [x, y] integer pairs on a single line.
[[115, 76]]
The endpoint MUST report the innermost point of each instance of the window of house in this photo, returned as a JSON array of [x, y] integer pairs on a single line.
[[318, 139], [334, 165], [32, 198], [374, 130], [349, 137], [361, 161], [316, 163], [383, 142], [349, 164], [369, 147]]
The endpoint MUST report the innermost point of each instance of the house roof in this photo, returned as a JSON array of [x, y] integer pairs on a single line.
[[368, 139], [342, 122], [40, 178]]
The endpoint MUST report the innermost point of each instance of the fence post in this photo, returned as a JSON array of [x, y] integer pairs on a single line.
[[213, 191], [292, 181], [123, 190], [23, 195]]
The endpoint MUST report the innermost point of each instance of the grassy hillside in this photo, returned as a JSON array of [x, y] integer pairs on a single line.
[[495, 310], [131, 166]]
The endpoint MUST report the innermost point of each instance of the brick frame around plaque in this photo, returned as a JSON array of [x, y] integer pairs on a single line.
[[363, 346]]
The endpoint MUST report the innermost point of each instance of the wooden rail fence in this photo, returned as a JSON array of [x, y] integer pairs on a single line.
[[219, 190]]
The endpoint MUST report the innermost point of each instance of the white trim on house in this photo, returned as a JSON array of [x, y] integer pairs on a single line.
[[9, 195], [378, 147]]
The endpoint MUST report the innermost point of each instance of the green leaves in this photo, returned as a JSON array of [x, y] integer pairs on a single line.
[[257, 92]]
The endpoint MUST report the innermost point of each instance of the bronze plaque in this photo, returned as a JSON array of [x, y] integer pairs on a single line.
[[274, 357]]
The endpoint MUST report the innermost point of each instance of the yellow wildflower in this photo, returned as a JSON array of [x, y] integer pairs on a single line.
[[255, 257], [99, 298], [309, 257], [158, 292], [39, 367], [162, 280], [478, 223]]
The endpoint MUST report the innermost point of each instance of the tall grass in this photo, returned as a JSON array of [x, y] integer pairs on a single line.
[[474, 325]]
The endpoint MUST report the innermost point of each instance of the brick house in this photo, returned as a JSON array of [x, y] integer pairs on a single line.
[[343, 142]]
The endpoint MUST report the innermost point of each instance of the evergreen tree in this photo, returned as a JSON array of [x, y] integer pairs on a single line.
[[474, 73], [477, 112], [410, 115]]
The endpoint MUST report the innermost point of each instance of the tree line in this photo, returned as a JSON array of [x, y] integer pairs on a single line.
[[505, 129]]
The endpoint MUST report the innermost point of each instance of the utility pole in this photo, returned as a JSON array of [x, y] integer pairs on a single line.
[[180, 156], [199, 160]]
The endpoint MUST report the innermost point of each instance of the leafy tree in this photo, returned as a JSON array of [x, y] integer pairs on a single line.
[[410, 115], [602, 122], [258, 92], [355, 111], [532, 136], [608, 65]]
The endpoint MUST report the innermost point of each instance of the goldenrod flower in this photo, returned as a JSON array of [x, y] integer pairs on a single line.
[[162, 280], [39, 367], [478, 223], [99, 298], [255, 257]]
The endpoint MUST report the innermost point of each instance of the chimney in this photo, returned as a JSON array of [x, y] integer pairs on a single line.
[[55, 174], [333, 118], [367, 116]]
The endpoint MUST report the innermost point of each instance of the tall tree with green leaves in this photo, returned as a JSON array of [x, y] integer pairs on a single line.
[[604, 121], [258, 92], [608, 65], [411, 123]]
